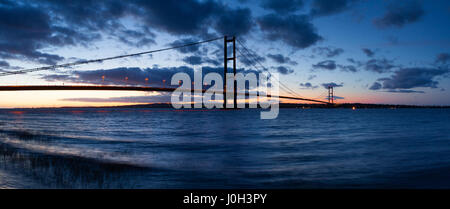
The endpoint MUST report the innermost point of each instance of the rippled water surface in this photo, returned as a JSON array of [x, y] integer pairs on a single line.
[[163, 148]]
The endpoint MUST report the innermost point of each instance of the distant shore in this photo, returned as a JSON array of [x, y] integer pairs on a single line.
[[282, 105]]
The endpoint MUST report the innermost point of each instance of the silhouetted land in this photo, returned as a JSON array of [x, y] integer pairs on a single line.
[[282, 105], [357, 105], [305, 106]]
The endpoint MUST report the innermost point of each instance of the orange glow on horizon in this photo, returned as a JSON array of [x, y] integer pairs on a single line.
[[49, 99]]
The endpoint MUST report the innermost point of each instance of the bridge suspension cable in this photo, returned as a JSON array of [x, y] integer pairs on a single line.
[[255, 59], [52, 67], [256, 68]]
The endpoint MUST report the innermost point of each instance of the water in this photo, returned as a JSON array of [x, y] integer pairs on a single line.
[[163, 148]]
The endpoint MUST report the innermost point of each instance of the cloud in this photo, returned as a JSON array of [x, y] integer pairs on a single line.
[[351, 60], [368, 52], [192, 17], [99, 19], [134, 75], [308, 85], [4, 64], [282, 6], [378, 65], [199, 60], [334, 85], [43, 24], [330, 7], [374, 65], [408, 78], [348, 68], [375, 86], [325, 65], [443, 58], [116, 76], [284, 70], [136, 38], [46, 23], [87, 14], [311, 77], [24, 37], [188, 49], [193, 60], [294, 30], [328, 51], [331, 64], [405, 91], [381, 65], [400, 13], [235, 22], [186, 17], [280, 59], [59, 77]]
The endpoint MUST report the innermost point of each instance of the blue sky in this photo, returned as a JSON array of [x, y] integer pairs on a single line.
[[393, 52]]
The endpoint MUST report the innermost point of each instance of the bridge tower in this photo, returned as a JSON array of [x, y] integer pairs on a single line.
[[330, 94], [226, 41]]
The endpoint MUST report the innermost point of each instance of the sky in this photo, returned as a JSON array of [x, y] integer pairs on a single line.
[[379, 51]]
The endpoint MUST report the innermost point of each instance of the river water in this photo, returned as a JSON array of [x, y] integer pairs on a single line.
[[165, 148]]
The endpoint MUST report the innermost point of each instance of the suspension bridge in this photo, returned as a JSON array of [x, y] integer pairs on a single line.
[[244, 52]]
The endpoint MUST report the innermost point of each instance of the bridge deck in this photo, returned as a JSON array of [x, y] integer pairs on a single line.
[[123, 88]]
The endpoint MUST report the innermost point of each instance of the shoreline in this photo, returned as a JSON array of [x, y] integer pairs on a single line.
[[282, 106]]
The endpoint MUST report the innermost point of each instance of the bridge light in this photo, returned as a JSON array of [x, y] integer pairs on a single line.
[[103, 78], [146, 80]]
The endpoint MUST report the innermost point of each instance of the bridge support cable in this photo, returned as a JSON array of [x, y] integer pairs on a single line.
[[255, 59], [52, 67], [251, 62], [279, 96], [253, 67], [287, 90]]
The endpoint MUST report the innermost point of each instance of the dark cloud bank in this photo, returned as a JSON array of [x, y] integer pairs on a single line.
[[328, 52], [405, 79], [308, 85], [400, 13], [134, 75], [45, 23]]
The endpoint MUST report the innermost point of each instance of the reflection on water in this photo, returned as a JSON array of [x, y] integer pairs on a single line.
[[163, 148]]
